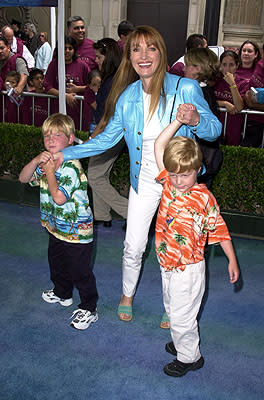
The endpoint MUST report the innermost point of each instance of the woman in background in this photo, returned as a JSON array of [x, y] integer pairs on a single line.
[[43, 54], [249, 55], [228, 89], [76, 73]]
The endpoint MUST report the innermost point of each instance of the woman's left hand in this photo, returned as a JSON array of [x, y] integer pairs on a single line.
[[187, 114]]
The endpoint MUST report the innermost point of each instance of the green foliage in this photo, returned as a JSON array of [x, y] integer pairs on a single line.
[[239, 185], [19, 144]]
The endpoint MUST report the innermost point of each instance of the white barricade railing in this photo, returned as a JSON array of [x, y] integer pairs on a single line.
[[47, 96], [246, 112]]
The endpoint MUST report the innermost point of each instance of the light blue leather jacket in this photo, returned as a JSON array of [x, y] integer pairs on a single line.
[[128, 121]]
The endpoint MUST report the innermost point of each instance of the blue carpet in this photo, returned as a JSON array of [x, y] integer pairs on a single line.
[[42, 357]]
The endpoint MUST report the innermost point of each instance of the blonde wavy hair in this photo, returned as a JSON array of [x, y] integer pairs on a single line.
[[126, 74]]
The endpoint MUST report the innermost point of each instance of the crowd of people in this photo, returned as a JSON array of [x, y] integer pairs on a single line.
[[237, 72]]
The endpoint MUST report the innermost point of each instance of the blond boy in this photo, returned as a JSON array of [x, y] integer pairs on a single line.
[[65, 213], [188, 216]]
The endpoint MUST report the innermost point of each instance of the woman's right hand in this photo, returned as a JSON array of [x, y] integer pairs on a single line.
[[229, 78], [231, 109]]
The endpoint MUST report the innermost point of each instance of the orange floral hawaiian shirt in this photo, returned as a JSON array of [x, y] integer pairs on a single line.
[[184, 222]]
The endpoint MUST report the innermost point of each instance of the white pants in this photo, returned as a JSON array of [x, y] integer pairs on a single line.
[[182, 296], [141, 209]]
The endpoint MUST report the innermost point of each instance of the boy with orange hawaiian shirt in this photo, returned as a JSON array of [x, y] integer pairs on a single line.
[[187, 216]]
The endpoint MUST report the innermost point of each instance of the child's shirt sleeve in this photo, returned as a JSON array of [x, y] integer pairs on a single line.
[[36, 177], [162, 177], [215, 224]]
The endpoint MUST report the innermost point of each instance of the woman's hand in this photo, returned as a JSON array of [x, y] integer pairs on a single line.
[[248, 99], [229, 78], [187, 114], [58, 159], [231, 109]]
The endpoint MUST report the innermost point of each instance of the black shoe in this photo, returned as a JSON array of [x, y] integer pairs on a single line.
[[107, 224], [178, 368], [170, 348]]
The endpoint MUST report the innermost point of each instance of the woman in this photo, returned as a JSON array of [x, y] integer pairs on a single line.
[[141, 103], [227, 91], [108, 57], [249, 55], [43, 54], [76, 72]]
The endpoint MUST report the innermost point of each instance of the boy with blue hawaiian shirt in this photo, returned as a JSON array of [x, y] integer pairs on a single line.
[[66, 214]]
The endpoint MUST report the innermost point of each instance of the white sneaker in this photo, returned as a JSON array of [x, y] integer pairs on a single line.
[[83, 318], [50, 297]]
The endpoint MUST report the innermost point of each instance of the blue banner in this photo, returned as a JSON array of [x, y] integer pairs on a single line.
[[29, 3]]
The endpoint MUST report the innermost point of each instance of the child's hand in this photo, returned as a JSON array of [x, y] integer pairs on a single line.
[[233, 271], [43, 157], [49, 166], [188, 114]]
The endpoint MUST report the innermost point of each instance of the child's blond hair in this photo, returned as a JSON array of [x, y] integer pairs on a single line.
[[60, 122], [182, 154]]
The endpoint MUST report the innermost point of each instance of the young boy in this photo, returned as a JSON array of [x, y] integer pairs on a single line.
[[35, 83], [11, 108], [65, 213], [187, 215]]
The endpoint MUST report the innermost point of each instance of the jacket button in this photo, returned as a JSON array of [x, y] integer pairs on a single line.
[[139, 133], [138, 148], [125, 129], [137, 162], [136, 176]]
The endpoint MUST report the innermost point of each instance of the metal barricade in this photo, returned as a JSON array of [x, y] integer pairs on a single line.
[[246, 112], [34, 95]]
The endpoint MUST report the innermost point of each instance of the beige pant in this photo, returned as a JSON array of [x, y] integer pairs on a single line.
[[105, 197], [182, 296]]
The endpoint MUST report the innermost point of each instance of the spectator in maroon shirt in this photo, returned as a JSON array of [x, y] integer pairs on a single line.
[[76, 29], [194, 41], [76, 72], [249, 55], [123, 29], [35, 80]]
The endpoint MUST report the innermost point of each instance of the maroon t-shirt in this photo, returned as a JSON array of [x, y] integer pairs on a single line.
[[77, 71], [86, 53], [234, 124]]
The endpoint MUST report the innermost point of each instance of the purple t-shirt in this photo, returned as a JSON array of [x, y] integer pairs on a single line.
[[77, 71], [85, 51], [234, 123], [177, 69], [40, 110], [244, 73], [257, 81]]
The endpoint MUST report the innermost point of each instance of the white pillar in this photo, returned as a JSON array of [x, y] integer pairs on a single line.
[[95, 28]]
